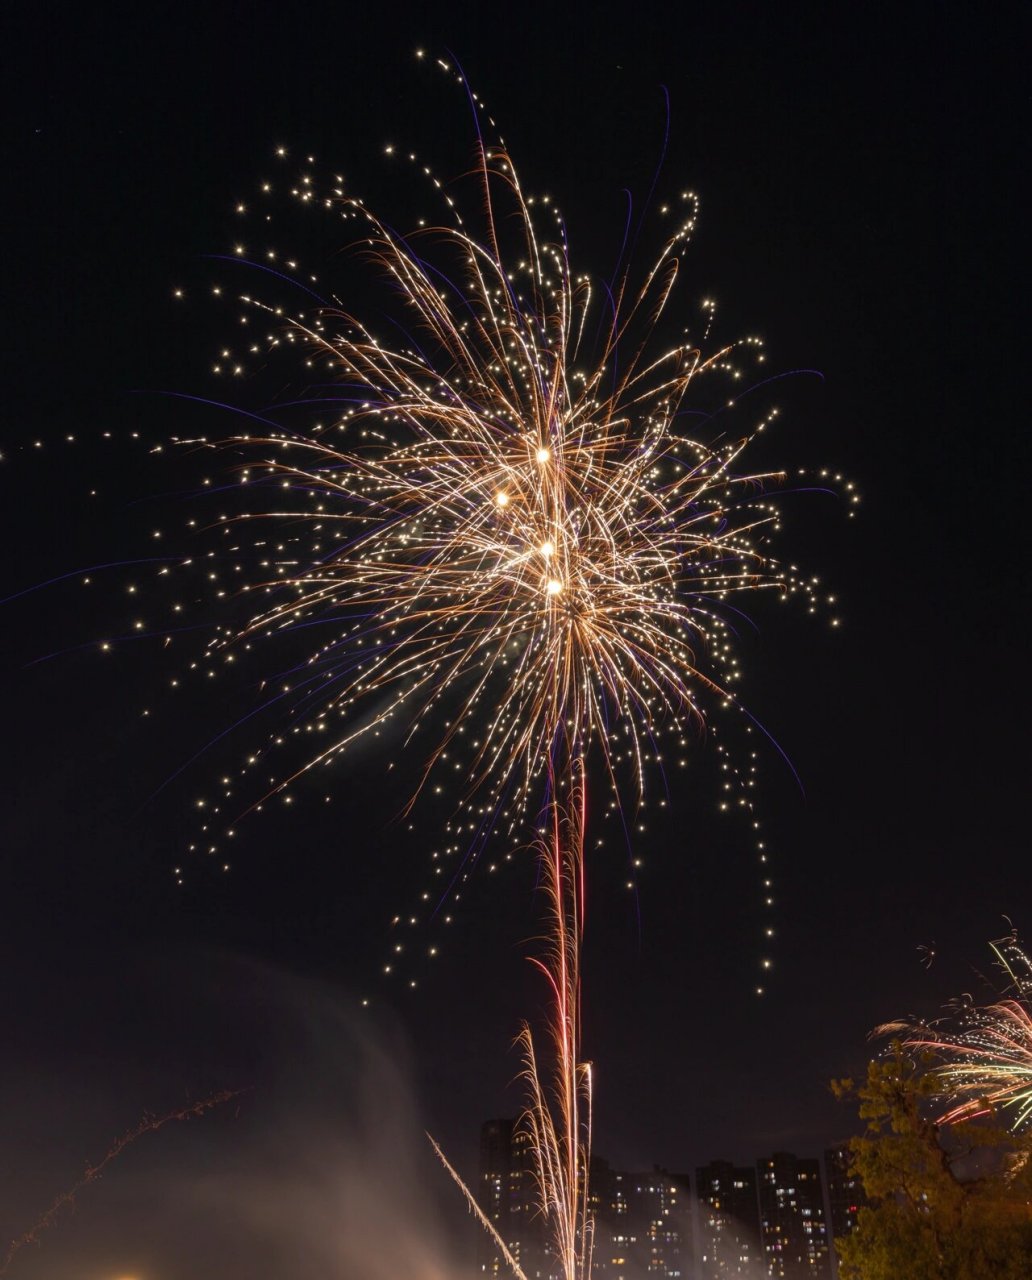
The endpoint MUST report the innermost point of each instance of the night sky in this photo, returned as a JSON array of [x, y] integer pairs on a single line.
[[861, 184]]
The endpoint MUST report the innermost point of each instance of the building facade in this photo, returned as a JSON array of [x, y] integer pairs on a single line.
[[845, 1194], [793, 1227], [643, 1223], [728, 1223], [507, 1194]]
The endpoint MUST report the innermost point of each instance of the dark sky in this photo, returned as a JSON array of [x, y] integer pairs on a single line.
[[861, 179]]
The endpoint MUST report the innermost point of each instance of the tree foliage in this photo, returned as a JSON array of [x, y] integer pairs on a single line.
[[945, 1202]]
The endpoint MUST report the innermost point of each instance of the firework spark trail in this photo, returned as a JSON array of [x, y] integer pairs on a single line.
[[477, 1212], [149, 1124], [984, 1052], [521, 551], [559, 1119]]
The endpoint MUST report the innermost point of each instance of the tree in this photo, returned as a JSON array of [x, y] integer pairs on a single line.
[[945, 1202]]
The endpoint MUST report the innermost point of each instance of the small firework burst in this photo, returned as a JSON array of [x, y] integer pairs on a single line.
[[983, 1052]]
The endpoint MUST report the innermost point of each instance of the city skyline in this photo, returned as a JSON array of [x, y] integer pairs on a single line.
[[777, 1218]]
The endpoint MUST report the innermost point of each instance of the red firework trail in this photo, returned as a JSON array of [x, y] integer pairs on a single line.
[[149, 1124]]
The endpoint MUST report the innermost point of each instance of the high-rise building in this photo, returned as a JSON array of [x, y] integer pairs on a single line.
[[643, 1223], [729, 1221], [661, 1203], [507, 1193], [615, 1235], [845, 1193], [792, 1223]]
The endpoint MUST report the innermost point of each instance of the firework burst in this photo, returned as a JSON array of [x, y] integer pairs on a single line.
[[505, 531], [983, 1052], [506, 537]]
